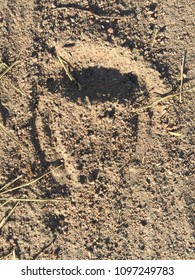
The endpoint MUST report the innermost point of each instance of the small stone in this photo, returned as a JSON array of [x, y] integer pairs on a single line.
[[110, 30], [4, 29], [91, 21]]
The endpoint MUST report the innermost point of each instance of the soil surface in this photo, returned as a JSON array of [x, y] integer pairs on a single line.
[[118, 174]]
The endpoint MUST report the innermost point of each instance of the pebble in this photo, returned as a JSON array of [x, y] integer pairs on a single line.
[[3, 29], [110, 30]]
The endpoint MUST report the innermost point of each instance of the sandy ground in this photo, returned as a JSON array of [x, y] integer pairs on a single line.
[[118, 173]]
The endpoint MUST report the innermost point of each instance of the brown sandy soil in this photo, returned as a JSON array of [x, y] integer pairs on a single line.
[[124, 182]]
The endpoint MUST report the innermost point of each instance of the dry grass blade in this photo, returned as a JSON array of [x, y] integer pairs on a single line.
[[29, 183], [7, 257], [156, 30], [9, 68], [6, 202], [14, 254], [19, 90], [2, 65], [175, 133], [8, 215], [163, 99], [65, 67], [32, 200], [8, 134], [10, 183], [182, 69]]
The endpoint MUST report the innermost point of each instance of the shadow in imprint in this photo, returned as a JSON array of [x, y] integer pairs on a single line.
[[99, 85], [105, 16], [33, 131], [56, 223], [4, 113], [96, 9], [190, 202]]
